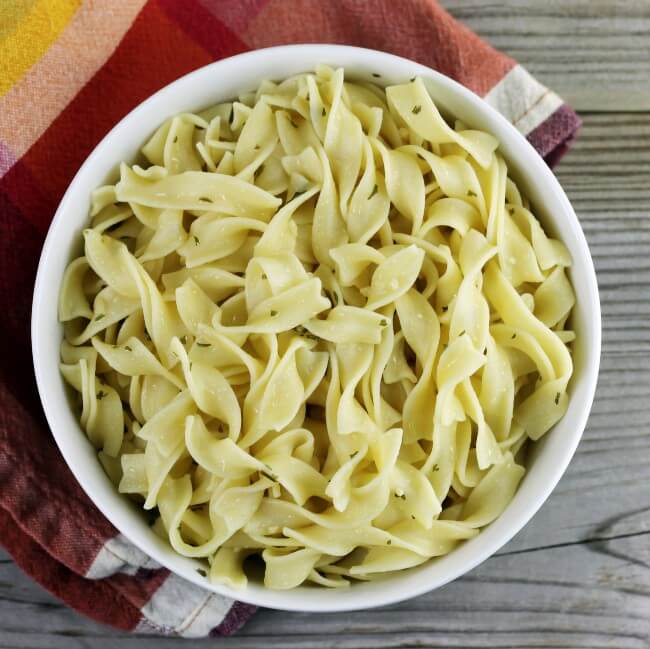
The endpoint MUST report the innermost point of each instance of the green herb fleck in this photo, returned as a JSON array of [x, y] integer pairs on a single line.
[[511, 210], [256, 147], [354, 455], [416, 109], [557, 399], [203, 344], [471, 193], [324, 112], [435, 468], [462, 333], [383, 323], [412, 79], [128, 349], [101, 394], [196, 240], [376, 75], [264, 276], [513, 336], [301, 331], [388, 542], [202, 572], [205, 199], [412, 516], [99, 316], [175, 139], [373, 192], [274, 313]]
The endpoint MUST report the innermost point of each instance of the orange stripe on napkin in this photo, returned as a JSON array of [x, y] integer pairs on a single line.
[[421, 30]]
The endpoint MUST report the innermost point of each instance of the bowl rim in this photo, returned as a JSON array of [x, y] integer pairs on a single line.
[[376, 596]]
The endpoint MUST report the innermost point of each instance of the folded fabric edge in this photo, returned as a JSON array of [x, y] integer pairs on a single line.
[[238, 615], [553, 137], [104, 600], [75, 591], [537, 112], [170, 604]]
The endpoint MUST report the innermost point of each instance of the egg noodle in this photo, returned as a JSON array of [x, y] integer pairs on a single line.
[[317, 325]]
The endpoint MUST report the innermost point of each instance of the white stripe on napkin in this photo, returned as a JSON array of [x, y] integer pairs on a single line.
[[522, 100], [118, 554], [185, 609]]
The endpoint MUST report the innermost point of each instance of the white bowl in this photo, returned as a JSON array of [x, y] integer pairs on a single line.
[[221, 81]]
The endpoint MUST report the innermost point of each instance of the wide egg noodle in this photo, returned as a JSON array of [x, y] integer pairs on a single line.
[[318, 326]]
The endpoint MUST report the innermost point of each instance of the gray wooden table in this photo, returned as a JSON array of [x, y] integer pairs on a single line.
[[578, 575]]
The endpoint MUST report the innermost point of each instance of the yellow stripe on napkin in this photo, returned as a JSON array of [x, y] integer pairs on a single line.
[[25, 44]]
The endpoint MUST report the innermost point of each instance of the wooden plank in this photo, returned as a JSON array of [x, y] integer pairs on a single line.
[[606, 178], [585, 595], [578, 48], [606, 490]]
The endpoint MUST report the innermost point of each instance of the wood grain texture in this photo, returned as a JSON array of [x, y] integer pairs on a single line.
[[586, 595], [578, 575], [592, 52]]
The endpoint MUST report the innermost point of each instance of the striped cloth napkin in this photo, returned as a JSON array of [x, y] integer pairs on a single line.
[[69, 71]]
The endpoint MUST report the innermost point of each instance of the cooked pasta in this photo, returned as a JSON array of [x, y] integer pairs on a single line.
[[317, 325]]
